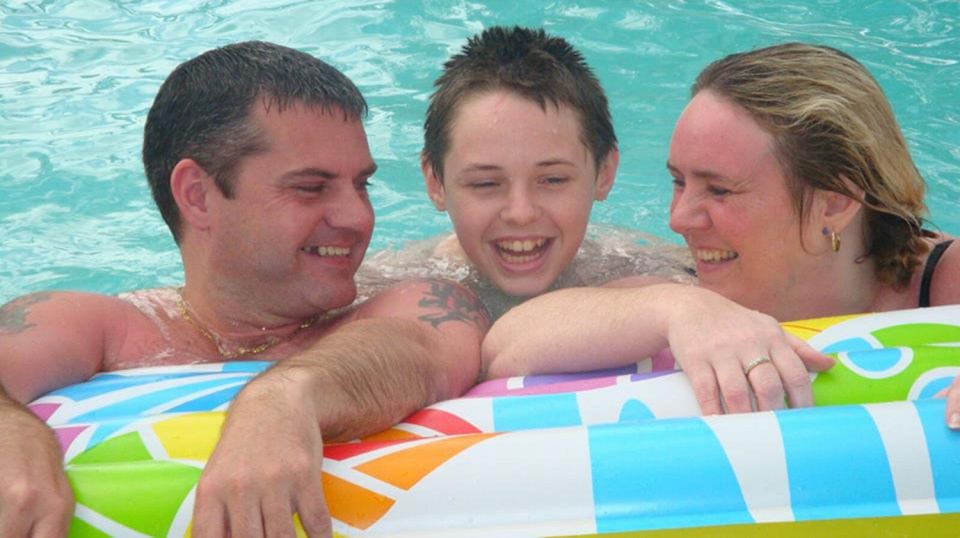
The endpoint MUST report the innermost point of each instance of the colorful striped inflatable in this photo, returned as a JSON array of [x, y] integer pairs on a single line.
[[606, 452]]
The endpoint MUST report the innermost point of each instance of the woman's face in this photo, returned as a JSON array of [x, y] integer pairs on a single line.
[[733, 207], [519, 185]]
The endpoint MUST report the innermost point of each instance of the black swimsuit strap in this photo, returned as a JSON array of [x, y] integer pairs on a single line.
[[931, 264]]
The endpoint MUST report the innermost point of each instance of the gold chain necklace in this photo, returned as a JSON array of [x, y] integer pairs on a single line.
[[241, 350]]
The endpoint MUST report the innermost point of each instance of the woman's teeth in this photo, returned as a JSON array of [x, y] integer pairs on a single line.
[[715, 255], [327, 251]]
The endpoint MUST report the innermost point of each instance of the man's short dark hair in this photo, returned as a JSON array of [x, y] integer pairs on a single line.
[[536, 66], [202, 110]]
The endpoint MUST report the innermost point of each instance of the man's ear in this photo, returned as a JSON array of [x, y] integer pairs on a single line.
[[607, 173], [434, 184], [191, 186], [836, 211]]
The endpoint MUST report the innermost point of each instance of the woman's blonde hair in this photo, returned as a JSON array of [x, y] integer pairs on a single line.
[[831, 122]]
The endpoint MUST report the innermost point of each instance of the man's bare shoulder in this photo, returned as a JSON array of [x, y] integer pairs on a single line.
[[26, 312]]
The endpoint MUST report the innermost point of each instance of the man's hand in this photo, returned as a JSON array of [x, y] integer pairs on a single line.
[[412, 345], [35, 497], [265, 468]]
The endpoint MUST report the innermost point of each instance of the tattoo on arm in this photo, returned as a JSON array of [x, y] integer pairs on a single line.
[[455, 303], [13, 315]]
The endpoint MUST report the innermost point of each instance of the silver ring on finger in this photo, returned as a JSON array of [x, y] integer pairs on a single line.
[[754, 363]]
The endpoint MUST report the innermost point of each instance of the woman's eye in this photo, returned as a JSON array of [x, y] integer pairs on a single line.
[[719, 191], [364, 184], [678, 183]]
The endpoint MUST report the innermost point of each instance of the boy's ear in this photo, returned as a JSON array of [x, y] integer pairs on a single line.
[[607, 173], [191, 186], [434, 184]]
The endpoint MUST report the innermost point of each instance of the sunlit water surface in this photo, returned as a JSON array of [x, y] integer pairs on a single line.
[[79, 75]]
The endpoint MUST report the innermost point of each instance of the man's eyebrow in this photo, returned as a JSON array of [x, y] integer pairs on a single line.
[[312, 171]]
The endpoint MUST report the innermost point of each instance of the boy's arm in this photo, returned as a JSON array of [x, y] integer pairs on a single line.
[[47, 341], [410, 346]]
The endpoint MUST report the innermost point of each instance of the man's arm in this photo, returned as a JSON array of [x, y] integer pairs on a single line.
[[579, 329], [410, 346], [47, 341]]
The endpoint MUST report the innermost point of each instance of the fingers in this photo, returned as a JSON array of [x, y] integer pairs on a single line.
[[705, 388], [313, 512], [953, 405], [278, 518], [51, 525], [209, 516], [814, 360], [793, 374], [734, 387]]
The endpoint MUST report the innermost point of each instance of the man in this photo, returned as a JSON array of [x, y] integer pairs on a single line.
[[259, 164]]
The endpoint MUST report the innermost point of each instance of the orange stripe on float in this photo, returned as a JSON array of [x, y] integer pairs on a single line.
[[405, 468], [352, 504]]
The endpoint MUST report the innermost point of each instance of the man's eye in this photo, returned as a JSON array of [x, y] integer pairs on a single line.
[[483, 184], [311, 187], [364, 184], [678, 183]]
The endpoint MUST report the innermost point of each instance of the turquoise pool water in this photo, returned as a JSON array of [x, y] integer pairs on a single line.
[[79, 75]]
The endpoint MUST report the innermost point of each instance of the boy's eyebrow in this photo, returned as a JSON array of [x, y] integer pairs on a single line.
[[480, 167], [557, 160]]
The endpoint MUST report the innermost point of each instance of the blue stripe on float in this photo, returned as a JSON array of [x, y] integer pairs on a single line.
[[848, 345], [943, 445], [662, 474], [140, 403], [634, 410], [511, 413], [208, 402], [105, 383], [246, 366], [837, 464]]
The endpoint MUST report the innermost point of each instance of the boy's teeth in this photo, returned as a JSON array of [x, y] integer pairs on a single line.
[[715, 255], [521, 246], [327, 251]]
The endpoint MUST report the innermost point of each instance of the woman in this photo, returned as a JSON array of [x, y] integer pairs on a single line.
[[797, 196]]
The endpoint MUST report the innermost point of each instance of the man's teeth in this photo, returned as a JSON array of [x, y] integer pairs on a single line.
[[715, 255], [327, 251], [518, 246]]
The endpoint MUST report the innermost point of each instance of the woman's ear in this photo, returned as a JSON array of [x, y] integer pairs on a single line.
[[191, 185], [607, 173], [836, 210], [434, 184]]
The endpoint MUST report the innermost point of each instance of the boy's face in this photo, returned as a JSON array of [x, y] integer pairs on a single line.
[[518, 184]]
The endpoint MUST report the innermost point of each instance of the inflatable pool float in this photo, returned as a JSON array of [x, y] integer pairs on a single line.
[[619, 452]]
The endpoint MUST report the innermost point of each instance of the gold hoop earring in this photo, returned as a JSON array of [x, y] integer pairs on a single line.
[[835, 241]]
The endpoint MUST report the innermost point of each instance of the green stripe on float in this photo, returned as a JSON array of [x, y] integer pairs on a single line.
[[928, 525], [143, 496]]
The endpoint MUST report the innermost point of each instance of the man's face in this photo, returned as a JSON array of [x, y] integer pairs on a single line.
[[299, 222]]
